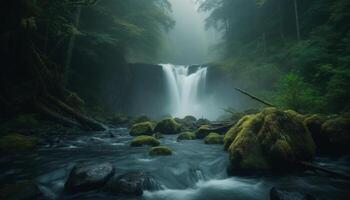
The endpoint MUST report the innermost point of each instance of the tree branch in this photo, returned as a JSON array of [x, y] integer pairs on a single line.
[[254, 97]]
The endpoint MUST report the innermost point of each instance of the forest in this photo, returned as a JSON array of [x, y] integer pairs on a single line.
[[97, 103]]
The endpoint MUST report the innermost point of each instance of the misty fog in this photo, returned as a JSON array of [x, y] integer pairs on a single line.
[[189, 42]]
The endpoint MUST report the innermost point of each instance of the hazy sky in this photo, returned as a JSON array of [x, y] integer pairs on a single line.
[[189, 41]]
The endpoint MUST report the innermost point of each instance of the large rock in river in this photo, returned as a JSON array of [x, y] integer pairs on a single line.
[[168, 126], [272, 139], [132, 183], [87, 176], [144, 128], [144, 140]]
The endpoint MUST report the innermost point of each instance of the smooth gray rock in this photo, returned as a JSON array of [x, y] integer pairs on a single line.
[[87, 176]]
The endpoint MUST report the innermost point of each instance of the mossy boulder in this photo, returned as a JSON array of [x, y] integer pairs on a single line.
[[144, 140], [160, 151], [17, 142], [202, 131], [186, 136], [168, 126], [144, 128], [188, 123], [214, 138], [335, 135], [271, 139]]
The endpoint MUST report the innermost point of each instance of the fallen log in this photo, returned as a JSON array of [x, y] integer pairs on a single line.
[[254, 97], [314, 167], [56, 116], [85, 121]]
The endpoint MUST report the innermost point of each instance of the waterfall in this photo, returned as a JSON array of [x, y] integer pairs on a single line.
[[184, 88]]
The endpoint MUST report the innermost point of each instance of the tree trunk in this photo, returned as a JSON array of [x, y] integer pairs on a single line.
[[72, 38], [297, 19], [85, 121]]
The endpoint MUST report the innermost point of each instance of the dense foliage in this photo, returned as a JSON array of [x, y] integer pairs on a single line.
[[294, 52], [51, 48]]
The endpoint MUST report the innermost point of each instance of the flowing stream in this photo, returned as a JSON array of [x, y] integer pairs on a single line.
[[185, 85], [195, 171]]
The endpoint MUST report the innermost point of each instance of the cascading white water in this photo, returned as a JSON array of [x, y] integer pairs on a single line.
[[184, 89]]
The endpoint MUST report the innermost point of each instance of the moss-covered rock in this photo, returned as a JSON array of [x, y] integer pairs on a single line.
[[144, 140], [160, 151], [188, 123], [144, 128], [214, 138], [243, 123], [17, 142], [335, 135], [168, 126], [186, 136], [271, 139], [202, 131]]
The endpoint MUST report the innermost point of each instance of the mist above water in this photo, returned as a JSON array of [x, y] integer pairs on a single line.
[[189, 42]]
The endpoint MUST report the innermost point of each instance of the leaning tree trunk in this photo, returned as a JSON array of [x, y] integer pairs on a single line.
[[297, 24]]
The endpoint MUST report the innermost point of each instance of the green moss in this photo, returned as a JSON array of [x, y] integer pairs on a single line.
[[144, 140], [202, 132], [214, 138], [17, 142], [168, 126], [281, 150], [268, 139], [295, 114], [144, 128], [186, 136], [232, 132], [160, 151]]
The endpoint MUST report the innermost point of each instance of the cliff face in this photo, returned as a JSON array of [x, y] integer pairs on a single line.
[[146, 92]]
